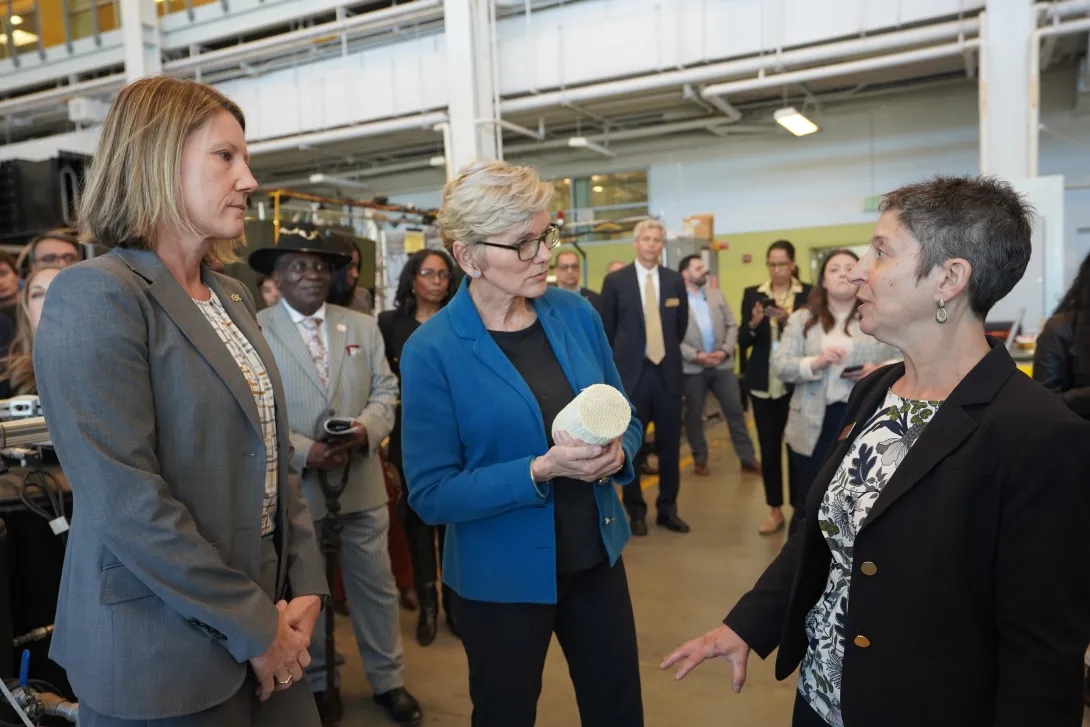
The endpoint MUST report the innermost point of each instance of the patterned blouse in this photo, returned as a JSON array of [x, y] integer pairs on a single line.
[[863, 473], [253, 368]]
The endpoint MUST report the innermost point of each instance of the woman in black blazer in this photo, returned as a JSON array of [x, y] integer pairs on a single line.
[[1062, 361], [940, 576], [765, 309], [423, 288]]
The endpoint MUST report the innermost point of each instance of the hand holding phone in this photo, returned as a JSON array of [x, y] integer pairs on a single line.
[[849, 370]]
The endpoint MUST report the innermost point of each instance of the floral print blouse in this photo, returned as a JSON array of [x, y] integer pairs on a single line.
[[875, 455]]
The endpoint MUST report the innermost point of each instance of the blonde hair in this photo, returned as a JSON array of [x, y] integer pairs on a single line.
[[19, 360], [490, 198], [135, 182], [649, 224]]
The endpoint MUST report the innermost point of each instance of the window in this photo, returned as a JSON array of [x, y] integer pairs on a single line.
[[610, 200]]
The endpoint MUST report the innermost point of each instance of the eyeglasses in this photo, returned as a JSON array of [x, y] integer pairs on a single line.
[[528, 249], [68, 258], [428, 273]]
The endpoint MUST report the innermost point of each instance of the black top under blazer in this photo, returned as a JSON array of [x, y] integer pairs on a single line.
[[755, 344], [621, 308], [978, 613], [1061, 362]]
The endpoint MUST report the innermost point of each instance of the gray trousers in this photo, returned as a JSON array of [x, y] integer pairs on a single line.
[[372, 601], [724, 385], [293, 707]]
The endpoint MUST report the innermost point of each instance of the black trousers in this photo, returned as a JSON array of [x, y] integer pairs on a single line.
[[770, 416], [506, 644], [807, 468], [804, 715], [655, 402]]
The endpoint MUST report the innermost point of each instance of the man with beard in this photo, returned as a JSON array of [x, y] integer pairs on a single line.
[[708, 355]]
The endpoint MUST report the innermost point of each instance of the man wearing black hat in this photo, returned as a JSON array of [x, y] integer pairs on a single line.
[[333, 364]]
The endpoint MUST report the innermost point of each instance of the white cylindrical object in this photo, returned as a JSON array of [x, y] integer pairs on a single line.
[[598, 415]]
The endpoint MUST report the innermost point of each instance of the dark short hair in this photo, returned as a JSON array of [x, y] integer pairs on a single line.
[[7, 259], [980, 219], [684, 264], [782, 245]]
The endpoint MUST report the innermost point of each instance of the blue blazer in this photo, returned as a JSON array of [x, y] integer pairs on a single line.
[[470, 428]]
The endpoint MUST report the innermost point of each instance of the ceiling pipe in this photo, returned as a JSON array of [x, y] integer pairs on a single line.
[[1045, 31], [644, 133], [1066, 8], [61, 94], [841, 69], [746, 66], [379, 20], [397, 168], [422, 122]]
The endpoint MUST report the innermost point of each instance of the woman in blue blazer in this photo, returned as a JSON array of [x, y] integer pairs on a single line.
[[534, 526]]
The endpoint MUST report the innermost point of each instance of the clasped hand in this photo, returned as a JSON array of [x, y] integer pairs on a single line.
[[282, 664], [575, 459]]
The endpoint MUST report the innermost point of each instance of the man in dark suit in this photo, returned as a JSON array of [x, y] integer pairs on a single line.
[[645, 311], [568, 269]]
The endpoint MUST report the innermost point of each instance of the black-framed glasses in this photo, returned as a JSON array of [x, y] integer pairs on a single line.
[[528, 249]]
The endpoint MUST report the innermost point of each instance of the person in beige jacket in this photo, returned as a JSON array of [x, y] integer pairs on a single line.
[[707, 355]]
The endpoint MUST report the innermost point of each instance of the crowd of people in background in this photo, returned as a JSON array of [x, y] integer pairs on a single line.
[[927, 482]]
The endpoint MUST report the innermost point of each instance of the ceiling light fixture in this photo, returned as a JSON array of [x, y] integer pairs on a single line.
[[16, 19], [597, 188], [795, 122], [437, 161], [582, 142]]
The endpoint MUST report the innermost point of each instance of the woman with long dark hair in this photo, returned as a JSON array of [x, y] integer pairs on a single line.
[[1062, 360], [423, 288], [346, 291], [764, 312], [823, 354]]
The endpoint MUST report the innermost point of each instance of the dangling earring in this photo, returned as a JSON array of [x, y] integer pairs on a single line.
[[940, 316]]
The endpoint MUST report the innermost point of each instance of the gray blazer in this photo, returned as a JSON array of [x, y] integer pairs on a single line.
[[807, 407], [726, 333], [158, 434], [361, 386]]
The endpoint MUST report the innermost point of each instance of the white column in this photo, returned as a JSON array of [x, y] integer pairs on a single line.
[[1008, 87], [471, 83], [140, 32]]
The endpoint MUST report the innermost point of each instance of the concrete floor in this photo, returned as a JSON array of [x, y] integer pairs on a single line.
[[682, 585]]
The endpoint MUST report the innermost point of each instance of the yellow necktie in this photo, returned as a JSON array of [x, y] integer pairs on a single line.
[[652, 321]]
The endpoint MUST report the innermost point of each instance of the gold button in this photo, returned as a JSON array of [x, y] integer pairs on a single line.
[[862, 642], [868, 568]]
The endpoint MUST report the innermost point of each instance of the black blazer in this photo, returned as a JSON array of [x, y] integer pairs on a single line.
[[595, 299], [759, 339], [622, 315], [396, 329], [979, 612], [1056, 362]]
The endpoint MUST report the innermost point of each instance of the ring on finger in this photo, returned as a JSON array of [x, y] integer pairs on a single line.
[[286, 681]]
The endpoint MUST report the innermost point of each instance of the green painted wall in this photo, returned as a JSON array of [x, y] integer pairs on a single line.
[[735, 275]]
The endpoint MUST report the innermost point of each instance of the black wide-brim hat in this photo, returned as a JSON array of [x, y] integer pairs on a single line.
[[298, 237]]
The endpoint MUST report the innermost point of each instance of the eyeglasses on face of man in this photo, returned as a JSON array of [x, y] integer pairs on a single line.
[[527, 249]]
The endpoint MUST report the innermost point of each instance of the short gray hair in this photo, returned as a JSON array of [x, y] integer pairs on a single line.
[[980, 219], [491, 198], [650, 223]]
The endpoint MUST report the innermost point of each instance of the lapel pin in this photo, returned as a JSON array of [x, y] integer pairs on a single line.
[[342, 327], [236, 297]]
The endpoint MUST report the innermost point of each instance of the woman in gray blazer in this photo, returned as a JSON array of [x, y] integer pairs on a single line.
[[823, 353], [192, 579]]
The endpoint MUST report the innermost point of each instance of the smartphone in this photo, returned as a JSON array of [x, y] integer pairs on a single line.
[[339, 425], [848, 370]]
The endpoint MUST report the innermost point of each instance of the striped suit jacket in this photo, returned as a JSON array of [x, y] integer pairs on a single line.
[[361, 386]]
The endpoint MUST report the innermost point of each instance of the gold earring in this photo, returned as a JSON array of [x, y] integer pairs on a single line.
[[941, 316]]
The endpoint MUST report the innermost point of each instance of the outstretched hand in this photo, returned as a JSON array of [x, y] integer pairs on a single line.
[[720, 643]]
